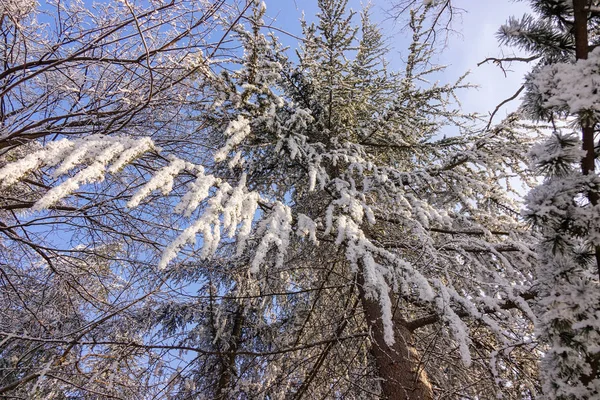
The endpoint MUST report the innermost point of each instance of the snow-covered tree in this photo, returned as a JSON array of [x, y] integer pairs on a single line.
[[370, 179], [563, 89], [82, 86], [308, 225]]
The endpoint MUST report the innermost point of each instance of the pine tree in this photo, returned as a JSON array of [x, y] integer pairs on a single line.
[[562, 90]]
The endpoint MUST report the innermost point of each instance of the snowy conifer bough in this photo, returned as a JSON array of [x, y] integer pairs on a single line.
[[329, 240], [563, 89]]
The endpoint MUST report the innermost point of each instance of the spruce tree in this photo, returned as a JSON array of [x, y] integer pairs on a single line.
[[363, 207]]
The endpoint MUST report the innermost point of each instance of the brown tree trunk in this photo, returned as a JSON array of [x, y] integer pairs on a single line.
[[580, 15], [581, 53], [228, 364], [580, 21], [399, 366]]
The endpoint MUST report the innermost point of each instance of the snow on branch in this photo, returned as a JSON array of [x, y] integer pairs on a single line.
[[275, 230], [236, 132], [92, 155], [572, 87], [162, 180], [227, 209], [88, 160]]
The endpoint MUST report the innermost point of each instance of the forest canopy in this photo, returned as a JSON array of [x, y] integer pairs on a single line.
[[191, 208]]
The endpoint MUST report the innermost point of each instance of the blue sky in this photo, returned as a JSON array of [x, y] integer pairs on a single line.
[[473, 41]]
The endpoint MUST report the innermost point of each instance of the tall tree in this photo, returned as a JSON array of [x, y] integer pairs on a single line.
[[358, 236], [562, 89], [370, 179]]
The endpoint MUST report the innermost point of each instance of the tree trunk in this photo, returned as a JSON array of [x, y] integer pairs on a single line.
[[399, 366], [228, 364], [588, 166], [581, 53], [580, 21]]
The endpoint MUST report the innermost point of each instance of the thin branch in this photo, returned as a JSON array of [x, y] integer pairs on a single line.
[[511, 98], [433, 318]]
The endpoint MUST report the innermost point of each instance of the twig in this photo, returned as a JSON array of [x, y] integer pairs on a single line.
[[511, 98]]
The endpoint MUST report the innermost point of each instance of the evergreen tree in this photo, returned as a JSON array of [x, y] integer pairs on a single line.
[[390, 204], [563, 90]]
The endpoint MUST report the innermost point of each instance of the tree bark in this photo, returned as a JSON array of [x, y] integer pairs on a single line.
[[228, 364], [399, 366], [581, 53], [580, 15], [588, 163]]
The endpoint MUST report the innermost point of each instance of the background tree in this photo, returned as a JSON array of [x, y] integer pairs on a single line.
[[76, 278]]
